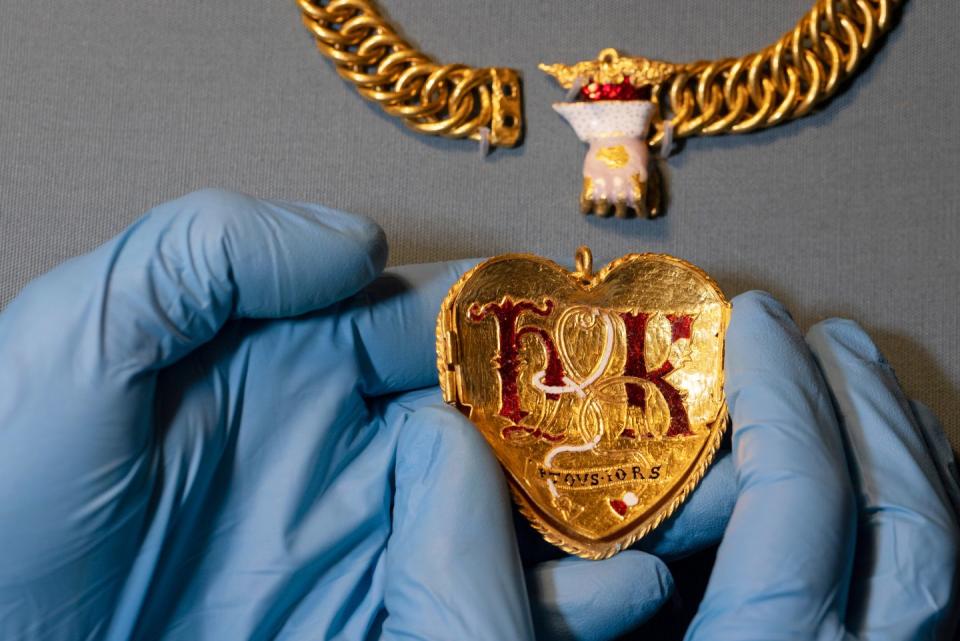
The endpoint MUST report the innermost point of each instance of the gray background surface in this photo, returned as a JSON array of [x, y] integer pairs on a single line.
[[108, 107]]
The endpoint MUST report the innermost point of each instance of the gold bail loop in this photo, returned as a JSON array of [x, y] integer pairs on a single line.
[[583, 260], [608, 55]]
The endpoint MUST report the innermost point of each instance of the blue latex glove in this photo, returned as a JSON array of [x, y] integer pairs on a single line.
[[180, 458], [843, 527]]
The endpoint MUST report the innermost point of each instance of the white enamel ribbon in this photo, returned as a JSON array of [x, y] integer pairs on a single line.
[[560, 449], [571, 386]]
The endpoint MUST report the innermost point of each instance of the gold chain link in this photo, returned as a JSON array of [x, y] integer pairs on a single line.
[[452, 100], [783, 81]]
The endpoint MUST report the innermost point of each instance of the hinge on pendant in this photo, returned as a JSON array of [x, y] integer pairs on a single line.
[[451, 359]]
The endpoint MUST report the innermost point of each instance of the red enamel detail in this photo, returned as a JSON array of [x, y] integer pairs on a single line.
[[513, 430], [619, 507], [594, 91], [636, 366], [628, 433], [554, 370], [608, 91], [680, 326], [522, 430], [506, 314]]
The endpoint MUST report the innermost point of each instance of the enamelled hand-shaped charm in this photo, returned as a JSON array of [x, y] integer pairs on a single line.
[[601, 394], [612, 112]]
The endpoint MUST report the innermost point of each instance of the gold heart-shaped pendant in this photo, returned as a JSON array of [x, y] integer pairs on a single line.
[[601, 394]]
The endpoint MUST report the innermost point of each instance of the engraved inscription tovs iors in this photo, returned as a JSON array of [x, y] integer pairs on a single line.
[[601, 394]]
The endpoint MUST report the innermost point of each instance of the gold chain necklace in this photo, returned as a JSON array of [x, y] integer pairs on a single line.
[[782, 81]]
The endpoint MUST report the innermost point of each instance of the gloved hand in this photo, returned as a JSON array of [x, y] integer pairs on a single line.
[[845, 524], [203, 435]]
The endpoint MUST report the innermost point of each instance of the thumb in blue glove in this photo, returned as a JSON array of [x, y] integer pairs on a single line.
[[843, 527], [181, 460]]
